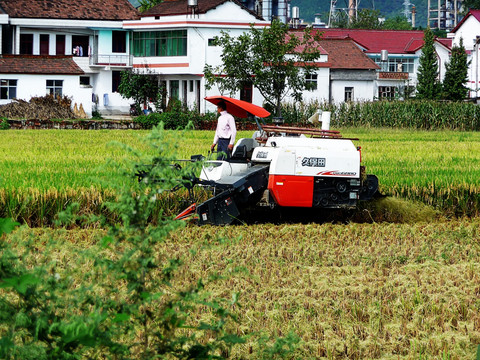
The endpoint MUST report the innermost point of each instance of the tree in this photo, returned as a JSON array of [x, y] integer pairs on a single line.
[[469, 4], [456, 71], [142, 88], [397, 23], [272, 59], [148, 4], [428, 86], [366, 19]]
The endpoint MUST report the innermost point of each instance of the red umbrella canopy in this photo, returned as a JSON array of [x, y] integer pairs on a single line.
[[239, 108]]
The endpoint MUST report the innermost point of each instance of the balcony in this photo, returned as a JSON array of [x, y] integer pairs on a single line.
[[86, 63], [391, 75], [111, 60]]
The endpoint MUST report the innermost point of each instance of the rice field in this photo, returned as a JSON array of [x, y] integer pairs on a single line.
[[406, 289], [355, 291], [42, 171]]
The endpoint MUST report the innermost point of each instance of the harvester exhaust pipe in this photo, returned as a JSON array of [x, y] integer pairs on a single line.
[[325, 120]]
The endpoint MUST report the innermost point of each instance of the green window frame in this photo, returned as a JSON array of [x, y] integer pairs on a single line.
[[160, 43]]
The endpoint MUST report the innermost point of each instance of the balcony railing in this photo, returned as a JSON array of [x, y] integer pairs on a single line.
[[111, 60], [390, 75]]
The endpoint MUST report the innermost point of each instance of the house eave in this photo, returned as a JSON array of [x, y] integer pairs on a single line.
[[194, 23], [49, 23]]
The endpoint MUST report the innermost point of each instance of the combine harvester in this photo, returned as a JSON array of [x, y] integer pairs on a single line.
[[281, 166]]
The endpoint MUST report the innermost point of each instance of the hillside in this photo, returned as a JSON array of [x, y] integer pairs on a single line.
[[308, 8]]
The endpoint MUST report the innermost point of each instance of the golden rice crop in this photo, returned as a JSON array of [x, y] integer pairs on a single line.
[[354, 291]]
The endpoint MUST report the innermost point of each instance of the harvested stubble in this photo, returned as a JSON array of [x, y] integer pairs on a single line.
[[354, 291], [357, 291]]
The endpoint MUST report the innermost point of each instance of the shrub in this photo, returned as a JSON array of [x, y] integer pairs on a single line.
[[4, 124], [176, 119], [96, 115]]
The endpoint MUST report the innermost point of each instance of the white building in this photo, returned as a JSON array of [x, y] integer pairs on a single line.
[[72, 48], [397, 53], [175, 42], [93, 42], [469, 30]]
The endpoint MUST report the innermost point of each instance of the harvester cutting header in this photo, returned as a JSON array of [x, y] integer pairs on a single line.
[[281, 166]]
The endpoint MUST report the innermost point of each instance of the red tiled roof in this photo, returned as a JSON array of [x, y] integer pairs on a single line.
[[344, 54], [447, 42], [395, 41], [474, 13], [38, 64], [115, 10], [414, 45], [301, 48], [180, 7]]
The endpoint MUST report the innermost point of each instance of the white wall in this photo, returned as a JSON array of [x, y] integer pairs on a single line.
[[469, 30], [362, 90], [29, 86], [443, 56]]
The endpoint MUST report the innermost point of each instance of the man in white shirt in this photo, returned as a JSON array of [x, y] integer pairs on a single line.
[[225, 133]]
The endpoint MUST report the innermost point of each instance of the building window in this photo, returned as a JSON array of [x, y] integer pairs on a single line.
[[246, 92], [348, 94], [190, 85], [174, 89], [8, 89], [396, 65], [160, 43], [44, 44], [85, 80], [26, 44], [386, 92], [80, 45], [116, 79], [311, 81], [212, 42], [60, 45], [119, 41], [54, 87]]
